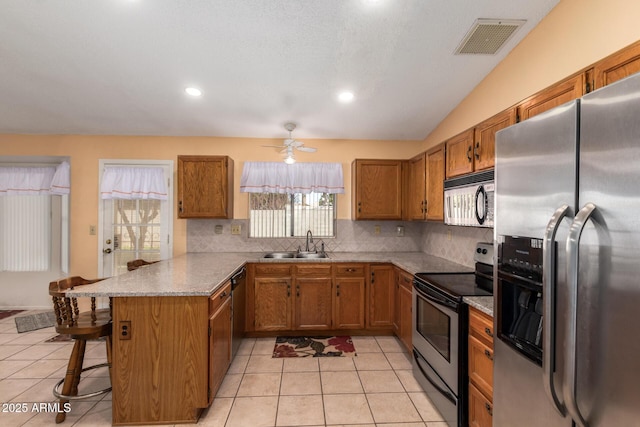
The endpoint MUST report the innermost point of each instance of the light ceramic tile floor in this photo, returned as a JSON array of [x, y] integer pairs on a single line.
[[374, 389]]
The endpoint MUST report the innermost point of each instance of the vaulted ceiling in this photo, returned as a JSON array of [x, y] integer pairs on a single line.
[[120, 67]]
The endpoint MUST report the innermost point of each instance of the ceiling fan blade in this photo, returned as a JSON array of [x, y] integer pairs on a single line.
[[307, 149], [274, 146]]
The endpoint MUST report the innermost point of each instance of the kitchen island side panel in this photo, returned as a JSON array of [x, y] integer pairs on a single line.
[[160, 367]]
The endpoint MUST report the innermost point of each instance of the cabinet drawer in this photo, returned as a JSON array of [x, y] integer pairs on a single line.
[[280, 270], [481, 366], [307, 270], [481, 326], [349, 270], [219, 298], [405, 280], [480, 409]]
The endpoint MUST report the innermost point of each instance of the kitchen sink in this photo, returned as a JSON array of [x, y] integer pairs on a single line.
[[282, 255]]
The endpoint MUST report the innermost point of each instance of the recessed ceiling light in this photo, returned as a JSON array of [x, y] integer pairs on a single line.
[[345, 96], [193, 91]]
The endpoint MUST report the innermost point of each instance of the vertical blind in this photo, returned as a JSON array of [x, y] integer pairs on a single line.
[[25, 215]]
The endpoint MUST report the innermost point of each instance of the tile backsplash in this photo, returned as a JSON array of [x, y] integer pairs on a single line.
[[351, 236], [449, 242]]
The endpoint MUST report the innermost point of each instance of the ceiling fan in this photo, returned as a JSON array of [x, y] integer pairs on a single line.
[[290, 144]]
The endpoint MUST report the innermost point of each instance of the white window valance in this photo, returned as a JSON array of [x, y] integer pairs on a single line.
[[279, 177], [28, 181], [133, 183]]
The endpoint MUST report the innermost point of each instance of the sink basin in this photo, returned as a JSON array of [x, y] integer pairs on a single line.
[[311, 255], [280, 255]]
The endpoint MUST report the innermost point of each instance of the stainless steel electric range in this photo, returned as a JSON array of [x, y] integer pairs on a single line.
[[440, 327]]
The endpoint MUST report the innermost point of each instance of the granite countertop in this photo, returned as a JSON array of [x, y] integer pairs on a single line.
[[200, 274], [484, 304]]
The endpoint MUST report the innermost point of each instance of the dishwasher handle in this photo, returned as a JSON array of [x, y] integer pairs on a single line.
[[238, 278]]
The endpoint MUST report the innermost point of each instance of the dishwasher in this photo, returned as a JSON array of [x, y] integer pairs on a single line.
[[238, 292]]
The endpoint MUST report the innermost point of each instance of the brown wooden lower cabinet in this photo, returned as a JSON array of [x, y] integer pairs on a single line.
[[480, 368], [349, 303], [219, 338], [273, 304], [403, 308], [381, 296], [314, 303], [160, 367]]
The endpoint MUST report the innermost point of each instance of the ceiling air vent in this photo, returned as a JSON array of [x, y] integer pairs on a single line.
[[487, 36]]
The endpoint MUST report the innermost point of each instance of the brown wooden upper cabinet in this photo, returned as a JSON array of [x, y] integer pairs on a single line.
[[474, 150], [563, 92], [425, 191], [617, 66], [205, 187], [376, 189]]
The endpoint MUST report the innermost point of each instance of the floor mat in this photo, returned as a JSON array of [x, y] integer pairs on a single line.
[[339, 346], [35, 321], [8, 313]]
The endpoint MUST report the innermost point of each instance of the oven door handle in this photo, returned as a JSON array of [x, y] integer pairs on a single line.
[[443, 391], [436, 299]]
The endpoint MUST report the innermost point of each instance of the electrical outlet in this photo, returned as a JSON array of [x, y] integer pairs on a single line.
[[376, 229], [125, 329], [236, 229], [92, 230]]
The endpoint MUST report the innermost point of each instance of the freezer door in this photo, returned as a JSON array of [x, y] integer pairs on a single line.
[[535, 176], [608, 299]]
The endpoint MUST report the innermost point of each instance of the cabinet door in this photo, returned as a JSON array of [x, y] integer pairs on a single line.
[[416, 188], [617, 66], [272, 304], [219, 346], [205, 187], [313, 308], [481, 366], [349, 303], [480, 409], [434, 205], [484, 149], [377, 189], [460, 154], [568, 90], [381, 298]]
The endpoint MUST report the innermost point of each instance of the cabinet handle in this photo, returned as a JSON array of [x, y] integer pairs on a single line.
[[373, 277], [488, 332], [288, 290], [359, 207], [180, 206], [488, 354], [426, 206], [469, 153], [297, 290], [476, 151], [350, 270], [338, 290], [488, 408], [223, 294]]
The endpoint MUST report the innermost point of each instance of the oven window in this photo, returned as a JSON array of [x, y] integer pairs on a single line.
[[434, 326]]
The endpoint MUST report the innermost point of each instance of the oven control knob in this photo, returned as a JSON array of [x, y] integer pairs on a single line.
[[484, 252], [478, 250]]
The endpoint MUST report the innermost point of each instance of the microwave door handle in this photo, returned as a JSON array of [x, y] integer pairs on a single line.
[[479, 191], [573, 255], [549, 299]]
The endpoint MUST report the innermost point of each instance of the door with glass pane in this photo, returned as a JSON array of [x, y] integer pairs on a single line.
[[135, 229]]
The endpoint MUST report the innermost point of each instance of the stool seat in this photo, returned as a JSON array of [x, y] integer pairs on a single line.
[[137, 263], [81, 326]]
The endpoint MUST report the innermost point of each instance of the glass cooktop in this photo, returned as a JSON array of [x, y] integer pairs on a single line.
[[456, 285]]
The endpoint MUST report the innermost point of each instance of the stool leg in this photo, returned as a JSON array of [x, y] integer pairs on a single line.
[[70, 376], [76, 378], [109, 356]]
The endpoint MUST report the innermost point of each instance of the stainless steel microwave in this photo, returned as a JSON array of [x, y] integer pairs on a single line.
[[469, 200]]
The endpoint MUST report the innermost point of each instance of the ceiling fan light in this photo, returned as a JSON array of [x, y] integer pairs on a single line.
[[290, 159]]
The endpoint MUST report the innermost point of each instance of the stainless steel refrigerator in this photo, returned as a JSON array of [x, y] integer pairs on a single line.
[[567, 185]]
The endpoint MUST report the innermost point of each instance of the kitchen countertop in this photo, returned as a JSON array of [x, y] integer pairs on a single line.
[[200, 274], [484, 304]]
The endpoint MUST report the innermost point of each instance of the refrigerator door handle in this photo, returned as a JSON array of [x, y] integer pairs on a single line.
[[549, 298], [573, 253]]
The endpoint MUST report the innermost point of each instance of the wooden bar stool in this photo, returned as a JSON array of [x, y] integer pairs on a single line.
[[83, 326], [137, 263]]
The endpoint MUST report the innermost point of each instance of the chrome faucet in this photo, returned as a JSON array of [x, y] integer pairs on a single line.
[[309, 240]]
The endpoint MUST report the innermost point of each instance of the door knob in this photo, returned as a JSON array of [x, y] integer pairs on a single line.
[[107, 251]]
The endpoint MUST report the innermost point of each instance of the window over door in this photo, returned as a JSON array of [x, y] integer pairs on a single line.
[[136, 218]]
